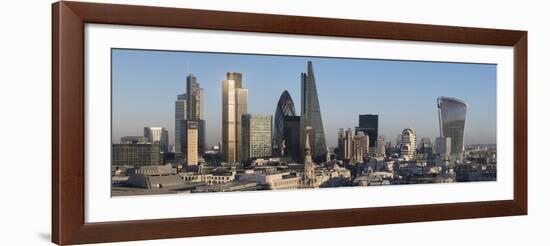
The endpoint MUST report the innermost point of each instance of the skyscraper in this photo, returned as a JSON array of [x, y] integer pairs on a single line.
[[195, 100], [181, 114], [285, 107], [368, 124], [192, 143], [234, 105], [408, 144], [157, 134], [452, 119], [311, 117], [341, 143], [256, 139], [195, 111]]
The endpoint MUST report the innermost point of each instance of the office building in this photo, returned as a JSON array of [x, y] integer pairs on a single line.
[[195, 99], [452, 119], [194, 114], [352, 147], [341, 143], [291, 137], [442, 151], [311, 116], [181, 114], [157, 134], [136, 154], [234, 105], [425, 149], [192, 143], [285, 107], [408, 144], [360, 147], [133, 139], [256, 139], [368, 124], [381, 147]]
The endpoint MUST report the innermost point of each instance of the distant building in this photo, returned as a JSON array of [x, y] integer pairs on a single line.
[[157, 134], [180, 115], [272, 181], [425, 149], [291, 137], [234, 105], [443, 151], [192, 143], [311, 117], [135, 154], [381, 147], [133, 139], [348, 145], [341, 143], [353, 147], [408, 144], [360, 147], [452, 119], [155, 177], [368, 124], [256, 136], [285, 107]]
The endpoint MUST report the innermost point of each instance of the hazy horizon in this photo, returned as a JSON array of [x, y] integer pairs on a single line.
[[145, 85]]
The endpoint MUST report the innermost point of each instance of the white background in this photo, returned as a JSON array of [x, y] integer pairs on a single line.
[[25, 123], [100, 207]]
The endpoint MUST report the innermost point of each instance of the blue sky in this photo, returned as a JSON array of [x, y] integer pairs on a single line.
[[403, 93]]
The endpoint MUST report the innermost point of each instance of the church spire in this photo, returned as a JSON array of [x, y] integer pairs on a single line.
[[308, 177]]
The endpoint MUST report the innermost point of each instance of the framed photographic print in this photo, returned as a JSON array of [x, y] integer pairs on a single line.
[[174, 122]]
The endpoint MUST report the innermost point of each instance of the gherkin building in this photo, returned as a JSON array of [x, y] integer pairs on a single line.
[[310, 117], [285, 107]]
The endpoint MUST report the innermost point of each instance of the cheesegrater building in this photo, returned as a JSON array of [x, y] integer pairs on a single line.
[[311, 117]]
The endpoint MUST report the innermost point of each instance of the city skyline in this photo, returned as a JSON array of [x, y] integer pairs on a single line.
[[402, 93]]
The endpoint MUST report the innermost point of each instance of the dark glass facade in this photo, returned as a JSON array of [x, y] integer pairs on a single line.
[[368, 124], [291, 131]]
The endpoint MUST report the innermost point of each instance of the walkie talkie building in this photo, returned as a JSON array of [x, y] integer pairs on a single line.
[[452, 119]]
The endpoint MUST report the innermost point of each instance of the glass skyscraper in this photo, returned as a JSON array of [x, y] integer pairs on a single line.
[[234, 105], [452, 119], [285, 107], [180, 115], [311, 117], [195, 110]]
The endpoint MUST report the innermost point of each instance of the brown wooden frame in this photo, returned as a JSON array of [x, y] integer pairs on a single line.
[[68, 224]]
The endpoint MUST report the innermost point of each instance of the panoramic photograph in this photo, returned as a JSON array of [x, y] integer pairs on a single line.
[[199, 122]]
